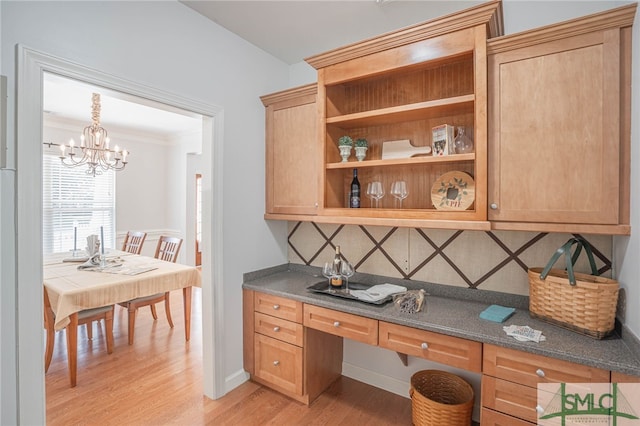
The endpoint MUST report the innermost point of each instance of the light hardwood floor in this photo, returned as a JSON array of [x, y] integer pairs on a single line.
[[158, 381]]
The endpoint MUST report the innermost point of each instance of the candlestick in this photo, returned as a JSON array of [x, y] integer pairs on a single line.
[[75, 239], [102, 240]]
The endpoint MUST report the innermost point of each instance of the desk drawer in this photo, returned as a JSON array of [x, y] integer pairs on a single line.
[[529, 369], [341, 324], [280, 307], [493, 418], [279, 363], [280, 329], [448, 350], [508, 397]]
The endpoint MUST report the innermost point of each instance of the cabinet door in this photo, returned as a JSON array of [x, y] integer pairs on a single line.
[[279, 363], [291, 151], [555, 131]]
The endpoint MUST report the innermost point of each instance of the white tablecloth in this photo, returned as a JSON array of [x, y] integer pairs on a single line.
[[71, 290]]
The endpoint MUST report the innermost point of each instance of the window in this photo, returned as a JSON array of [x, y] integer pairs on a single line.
[[75, 205]]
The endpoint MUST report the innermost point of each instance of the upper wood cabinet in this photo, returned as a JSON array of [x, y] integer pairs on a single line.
[[291, 152], [396, 87], [559, 126]]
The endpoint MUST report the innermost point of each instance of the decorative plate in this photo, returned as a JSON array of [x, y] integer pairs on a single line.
[[453, 191]]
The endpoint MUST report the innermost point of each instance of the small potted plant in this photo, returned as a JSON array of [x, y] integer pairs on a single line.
[[361, 148], [345, 143]]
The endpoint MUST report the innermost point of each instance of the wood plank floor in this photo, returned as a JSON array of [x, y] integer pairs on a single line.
[[158, 381]]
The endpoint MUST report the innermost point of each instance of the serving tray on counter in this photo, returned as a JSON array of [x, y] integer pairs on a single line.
[[323, 288]]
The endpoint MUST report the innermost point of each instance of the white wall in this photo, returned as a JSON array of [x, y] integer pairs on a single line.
[[169, 47]]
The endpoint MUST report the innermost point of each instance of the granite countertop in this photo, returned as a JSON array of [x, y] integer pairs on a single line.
[[455, 312]]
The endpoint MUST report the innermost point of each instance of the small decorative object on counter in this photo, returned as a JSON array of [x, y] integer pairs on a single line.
[[361, 148], [442, 140], [345, 143], [354, 198], [410, 301], [336, 280], [462, 143]]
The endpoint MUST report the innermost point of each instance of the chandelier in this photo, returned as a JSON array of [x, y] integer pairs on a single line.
[[94, 149]]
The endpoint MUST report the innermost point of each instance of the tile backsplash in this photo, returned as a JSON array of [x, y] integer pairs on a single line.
[[488, 260]]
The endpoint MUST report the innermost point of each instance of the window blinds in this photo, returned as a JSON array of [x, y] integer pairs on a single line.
[[75, 203]]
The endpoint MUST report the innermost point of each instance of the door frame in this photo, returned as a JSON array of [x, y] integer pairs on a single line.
[[31, 65]]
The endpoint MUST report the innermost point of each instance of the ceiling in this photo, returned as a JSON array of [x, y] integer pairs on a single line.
[[294, 30], [288, 30]]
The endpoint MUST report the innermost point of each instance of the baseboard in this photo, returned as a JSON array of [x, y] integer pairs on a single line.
[[377, 380], [234, 380]]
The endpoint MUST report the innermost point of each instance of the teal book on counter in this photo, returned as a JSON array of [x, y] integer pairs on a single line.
[[497, 313]]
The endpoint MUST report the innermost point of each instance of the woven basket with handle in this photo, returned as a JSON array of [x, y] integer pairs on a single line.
[[439, 398], [579, 302]]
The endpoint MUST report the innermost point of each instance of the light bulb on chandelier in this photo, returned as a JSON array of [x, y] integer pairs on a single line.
[[94, 150]]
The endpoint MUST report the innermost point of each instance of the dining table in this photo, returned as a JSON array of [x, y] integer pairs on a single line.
[[73, 284]]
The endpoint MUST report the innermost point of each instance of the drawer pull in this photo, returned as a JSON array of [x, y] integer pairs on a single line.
[[276, 363], [424, 345], [276, 307], [276, 329], [336, 324], [540, 372], [539, 409]]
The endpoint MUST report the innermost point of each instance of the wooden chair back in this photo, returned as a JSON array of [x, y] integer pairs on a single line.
[[168, 248], [133, 242]]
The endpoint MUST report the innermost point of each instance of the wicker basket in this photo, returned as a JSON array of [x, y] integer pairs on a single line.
[[439, 398], [589, 307]]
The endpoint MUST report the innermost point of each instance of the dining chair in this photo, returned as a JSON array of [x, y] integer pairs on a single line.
[[85, 317], [167, 250], [133, 242]]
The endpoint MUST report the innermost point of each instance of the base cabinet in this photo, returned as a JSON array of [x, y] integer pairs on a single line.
[[510, 383], [283, 355]]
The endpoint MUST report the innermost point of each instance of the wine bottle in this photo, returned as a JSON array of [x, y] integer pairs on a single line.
[[354, 201], [336, 280]]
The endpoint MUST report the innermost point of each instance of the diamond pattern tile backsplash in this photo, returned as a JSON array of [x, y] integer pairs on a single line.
[[491, 260]]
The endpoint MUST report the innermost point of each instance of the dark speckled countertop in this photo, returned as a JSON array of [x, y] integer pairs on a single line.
[[454, 311]]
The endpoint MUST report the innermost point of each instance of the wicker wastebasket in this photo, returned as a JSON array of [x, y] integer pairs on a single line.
[[439, 398]]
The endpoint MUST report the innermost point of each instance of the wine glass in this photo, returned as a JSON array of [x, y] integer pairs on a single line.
[[328, 271], [347, 271], [377, 192], [370, 193], [399, 190]]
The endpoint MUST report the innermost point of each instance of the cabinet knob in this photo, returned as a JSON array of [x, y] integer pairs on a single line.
[[424, 345], [494, 206], [276, 363], [276, 329], [336, 324], [540, 372], [539, 409], [276, 307]]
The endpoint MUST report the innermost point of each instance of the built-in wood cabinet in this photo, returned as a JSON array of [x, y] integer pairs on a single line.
[[559, 126], [291, 152], [449, 350], [399, 86], [282, 354], [510, 379]]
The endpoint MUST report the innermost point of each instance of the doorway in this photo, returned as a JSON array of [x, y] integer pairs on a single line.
[[30, 372]]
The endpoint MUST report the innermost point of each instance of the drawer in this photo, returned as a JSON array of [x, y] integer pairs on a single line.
[[278, 328], [493, 418], [508, 397], [279, 363], [530, 369], [280, 307], [623, 378], [341, 324], [448, 350]]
